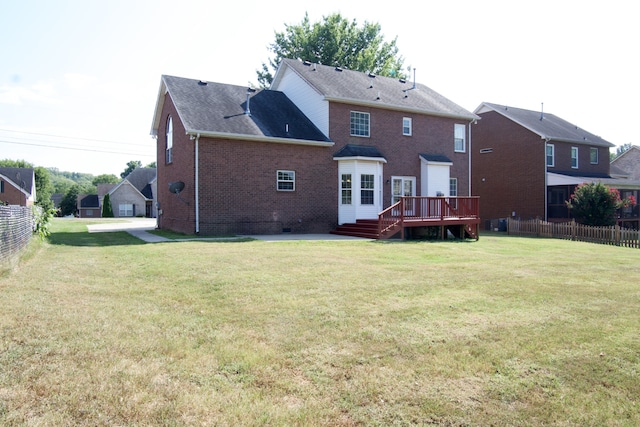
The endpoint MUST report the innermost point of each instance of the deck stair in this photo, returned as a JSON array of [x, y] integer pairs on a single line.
[[366, 228]]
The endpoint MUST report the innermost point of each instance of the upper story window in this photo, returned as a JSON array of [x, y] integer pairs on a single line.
[[169, 148], [551, 157], [286, 180], [406, 126], [359, 124], [574, 157], [459, 139], [593, 155]]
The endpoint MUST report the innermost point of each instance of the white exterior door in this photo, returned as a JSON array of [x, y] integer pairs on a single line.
[[359, 190], [403, 186]]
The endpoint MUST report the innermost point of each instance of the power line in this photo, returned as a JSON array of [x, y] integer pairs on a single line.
[[71, 137], [77, 149]]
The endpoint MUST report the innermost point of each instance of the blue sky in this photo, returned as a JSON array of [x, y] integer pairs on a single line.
[[79, 78]]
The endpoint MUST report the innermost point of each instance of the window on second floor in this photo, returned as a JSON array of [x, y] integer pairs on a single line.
[[551, 158], [406, 126], [169, 147], [286, 180], [459, 139], [593, 155], [359, 124], [574, 157]]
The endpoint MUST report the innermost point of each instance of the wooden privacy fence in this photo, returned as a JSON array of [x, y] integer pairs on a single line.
[[613, 235]]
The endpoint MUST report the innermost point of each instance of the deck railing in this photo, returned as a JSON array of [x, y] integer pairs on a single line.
[[413, 209]]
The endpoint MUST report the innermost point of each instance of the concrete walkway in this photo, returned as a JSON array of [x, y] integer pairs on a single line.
[[140, 227]]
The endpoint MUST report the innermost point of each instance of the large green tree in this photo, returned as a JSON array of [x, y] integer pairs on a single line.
[[106, 178], [69, 203], [334, 41]]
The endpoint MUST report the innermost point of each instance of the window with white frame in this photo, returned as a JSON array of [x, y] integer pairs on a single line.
[[359, 124], [593, 155], [453, 187], [345, 188], [169, 147], [126, 209], [406, 126], [286, 180], [366, 189], [574, 157], [459, 138], [551, 158]]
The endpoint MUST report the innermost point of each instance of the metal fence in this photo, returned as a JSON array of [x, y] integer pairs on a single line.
[[16, 229], [613, 235]]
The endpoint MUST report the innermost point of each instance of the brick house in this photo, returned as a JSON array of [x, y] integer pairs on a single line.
[[17, 186], [133, 196], [324, 146], [526, 164], [626, 167]]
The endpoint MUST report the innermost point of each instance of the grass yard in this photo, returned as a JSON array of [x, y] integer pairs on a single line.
[[100, 329]]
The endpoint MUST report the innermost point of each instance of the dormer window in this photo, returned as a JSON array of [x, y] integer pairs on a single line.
[[169, 148]]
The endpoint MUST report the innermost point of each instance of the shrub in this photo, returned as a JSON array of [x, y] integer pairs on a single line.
[[594, 204]]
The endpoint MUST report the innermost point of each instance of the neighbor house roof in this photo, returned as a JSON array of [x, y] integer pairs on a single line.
[[221, 110], [547, 126], [89, 201], [355, 87], [140, 179], [21, 178]]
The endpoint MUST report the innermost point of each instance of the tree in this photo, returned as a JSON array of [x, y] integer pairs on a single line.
[[44, 188], [133, 164], [594, 204], [619, 150], [69, 203], [151, 165], [107, 210], [105, 179], [334, 41]]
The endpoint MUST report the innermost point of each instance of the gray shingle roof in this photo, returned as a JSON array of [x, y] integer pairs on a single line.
[[550, 127], [385, 92], [353, 150], [436, 158], [89, 201], [22, 177], [140, 178], [213, 108]]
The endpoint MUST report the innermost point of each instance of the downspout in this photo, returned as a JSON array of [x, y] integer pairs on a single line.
[[546, 180], [197, 191], [470, 175]]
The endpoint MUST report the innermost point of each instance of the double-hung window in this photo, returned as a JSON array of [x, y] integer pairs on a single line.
[[551, 155], [459, 138], [593, 155], [126, 209], [453, 187], [366, 189], [574, 157], [359, 124], [406, 126], [169, 148], [345, 188], [286, 180]]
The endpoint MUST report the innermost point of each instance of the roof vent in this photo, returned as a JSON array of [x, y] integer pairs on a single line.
[[338, 69], [202, 83], [247, 110]]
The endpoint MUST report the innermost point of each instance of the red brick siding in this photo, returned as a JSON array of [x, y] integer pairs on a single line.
[[430, 135], [12, 195], [563, 159], [512, 177]]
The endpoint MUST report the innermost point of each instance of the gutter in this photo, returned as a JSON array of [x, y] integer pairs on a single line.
[[259, 138]]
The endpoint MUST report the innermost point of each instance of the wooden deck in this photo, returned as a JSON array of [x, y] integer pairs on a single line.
[[459, 215]]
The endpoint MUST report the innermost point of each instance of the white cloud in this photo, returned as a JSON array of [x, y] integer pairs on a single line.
[[41, 92]]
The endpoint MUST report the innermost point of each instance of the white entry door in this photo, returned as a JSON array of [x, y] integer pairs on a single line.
[[403, 186]]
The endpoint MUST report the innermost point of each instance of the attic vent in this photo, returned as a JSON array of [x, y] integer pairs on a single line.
[[202, 83], [486, 150]]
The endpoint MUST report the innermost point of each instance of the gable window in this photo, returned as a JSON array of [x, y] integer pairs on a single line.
[[366, 189], [593, 155], [169, 148], [345, 188], [126, 209], [550, 155], [406, 126], [359, 124], [574, 157], [453, 187], [458, 137], [1, 186], [286, 180]]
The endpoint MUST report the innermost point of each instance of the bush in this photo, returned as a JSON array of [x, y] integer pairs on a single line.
[[594, 204]]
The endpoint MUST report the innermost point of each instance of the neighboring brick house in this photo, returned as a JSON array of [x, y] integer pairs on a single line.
[[17, 186], [324, 146], [89, 206], [627, 164], [626, 167], [134, 195], [526, 164]]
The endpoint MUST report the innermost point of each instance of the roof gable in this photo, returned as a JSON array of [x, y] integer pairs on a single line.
[[21, 178], [212, 108], [348, 86], [547, 126]]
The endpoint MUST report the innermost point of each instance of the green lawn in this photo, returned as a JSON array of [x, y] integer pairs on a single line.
[[100, 329]]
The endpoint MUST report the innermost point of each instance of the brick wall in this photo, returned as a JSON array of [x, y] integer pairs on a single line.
[[430, 135], [12, 195], [511, 178]]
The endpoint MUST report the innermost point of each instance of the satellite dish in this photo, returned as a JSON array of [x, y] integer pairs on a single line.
[[176, 187]]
